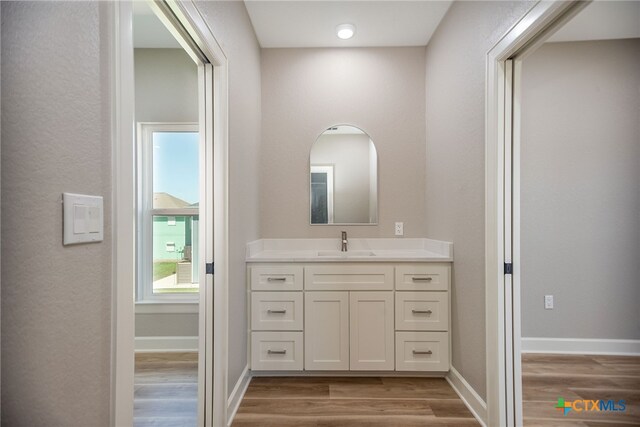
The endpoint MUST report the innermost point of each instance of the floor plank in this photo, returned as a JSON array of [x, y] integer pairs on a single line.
[[166, 389], [548, 377], [351, 401]]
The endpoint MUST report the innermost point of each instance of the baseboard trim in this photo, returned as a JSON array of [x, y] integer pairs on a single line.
[[165, 344], [468, 395], [235, 398], [581, 346]]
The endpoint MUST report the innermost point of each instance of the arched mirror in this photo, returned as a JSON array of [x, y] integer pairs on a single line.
[[343, 177]]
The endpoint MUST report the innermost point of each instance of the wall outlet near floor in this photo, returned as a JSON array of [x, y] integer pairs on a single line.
[[399, 228], [548, 302]]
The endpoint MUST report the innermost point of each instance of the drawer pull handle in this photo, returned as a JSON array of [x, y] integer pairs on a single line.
[[276, 351], [276, 311], [422, 352], [276, 279], [422, 279], [421, 311]]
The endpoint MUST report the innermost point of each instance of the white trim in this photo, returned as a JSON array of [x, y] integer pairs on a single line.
[[468, 395], [235, 398], [213, 325], [123, 215], [541, 20], [167, 308], [581, 346], [166, 344]]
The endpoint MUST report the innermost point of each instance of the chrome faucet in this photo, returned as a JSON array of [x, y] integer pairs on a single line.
[[344, 241]]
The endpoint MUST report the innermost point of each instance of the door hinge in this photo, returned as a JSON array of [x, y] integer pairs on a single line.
[[508, 268], [209, 268]]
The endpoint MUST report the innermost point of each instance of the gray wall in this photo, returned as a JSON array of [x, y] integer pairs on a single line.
[[231, 26], [455, 108], [166, 85], [56, 301], [581, 190], [304, 91]]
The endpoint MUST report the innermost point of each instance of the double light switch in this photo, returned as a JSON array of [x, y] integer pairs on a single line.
[[83, 219]]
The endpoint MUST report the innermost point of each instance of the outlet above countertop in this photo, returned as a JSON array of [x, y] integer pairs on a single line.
[[360, 250]]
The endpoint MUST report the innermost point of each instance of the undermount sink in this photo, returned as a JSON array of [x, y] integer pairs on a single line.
[[347, 254]]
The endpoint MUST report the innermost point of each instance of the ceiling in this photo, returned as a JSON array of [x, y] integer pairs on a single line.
[[602, 20], [379, 23], [313, 23]]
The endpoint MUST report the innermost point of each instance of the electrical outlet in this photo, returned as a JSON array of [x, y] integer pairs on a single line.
[[548, 302], [399, 228]]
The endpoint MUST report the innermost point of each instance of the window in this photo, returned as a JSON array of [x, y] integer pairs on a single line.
[[168, 202]]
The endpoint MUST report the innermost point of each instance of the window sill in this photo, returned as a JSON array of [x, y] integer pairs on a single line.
[[166, 307]]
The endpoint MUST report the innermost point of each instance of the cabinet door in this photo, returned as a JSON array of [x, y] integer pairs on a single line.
[[326, 331], [372, 336]]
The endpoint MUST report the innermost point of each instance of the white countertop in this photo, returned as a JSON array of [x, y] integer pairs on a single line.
[[359, 250]]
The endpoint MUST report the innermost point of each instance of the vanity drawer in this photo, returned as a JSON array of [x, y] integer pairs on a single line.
[[276, 351], [422, 311], [429, 277], [276, 311], [348, 277], [276, 278], [422, 351]]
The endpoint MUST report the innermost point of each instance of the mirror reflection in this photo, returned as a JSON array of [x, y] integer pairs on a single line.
[[343, 177]]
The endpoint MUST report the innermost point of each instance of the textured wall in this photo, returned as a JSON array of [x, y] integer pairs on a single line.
[[166, 84], [455, 92], [304, 91], [56, 319], [581, 190], [232, 28]]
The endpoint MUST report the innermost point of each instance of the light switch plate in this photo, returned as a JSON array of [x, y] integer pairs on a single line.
[[548, 302], [83, 219]]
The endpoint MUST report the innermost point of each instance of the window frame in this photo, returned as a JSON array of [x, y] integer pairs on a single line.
[[146, 212]]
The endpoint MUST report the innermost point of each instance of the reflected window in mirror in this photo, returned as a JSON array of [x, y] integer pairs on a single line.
[[343, 177]]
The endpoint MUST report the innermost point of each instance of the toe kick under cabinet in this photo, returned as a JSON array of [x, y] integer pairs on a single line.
[[349, 316]]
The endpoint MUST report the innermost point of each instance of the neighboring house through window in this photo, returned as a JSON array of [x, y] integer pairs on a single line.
[[168, 212]]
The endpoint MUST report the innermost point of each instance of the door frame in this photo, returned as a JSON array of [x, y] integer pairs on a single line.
[[185, 19], [502, 198]]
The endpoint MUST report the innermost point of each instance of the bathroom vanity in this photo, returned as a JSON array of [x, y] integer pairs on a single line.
[[383, 305]]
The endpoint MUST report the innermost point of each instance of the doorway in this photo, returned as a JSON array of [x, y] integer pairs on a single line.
[[181, 213], [578, 230], [514, 259]]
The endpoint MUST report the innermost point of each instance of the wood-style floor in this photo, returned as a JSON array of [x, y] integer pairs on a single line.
[[333, 402], [166, 390], [548, 377], [166, 395]]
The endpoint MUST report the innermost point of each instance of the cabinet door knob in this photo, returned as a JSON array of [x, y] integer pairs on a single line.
[[422, 352], [422, 279], [276, 311], [421, 311], [276, 351]]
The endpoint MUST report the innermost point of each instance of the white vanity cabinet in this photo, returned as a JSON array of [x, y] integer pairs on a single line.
[[349, 316]]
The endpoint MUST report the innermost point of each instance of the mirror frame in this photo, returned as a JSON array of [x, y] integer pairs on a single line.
[[377, 180]]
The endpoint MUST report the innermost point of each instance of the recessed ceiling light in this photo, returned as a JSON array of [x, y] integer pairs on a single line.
[[345, 31]]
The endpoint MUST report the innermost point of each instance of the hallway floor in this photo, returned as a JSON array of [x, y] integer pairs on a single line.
[[548, 377], [166, 390], [342, 401]]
